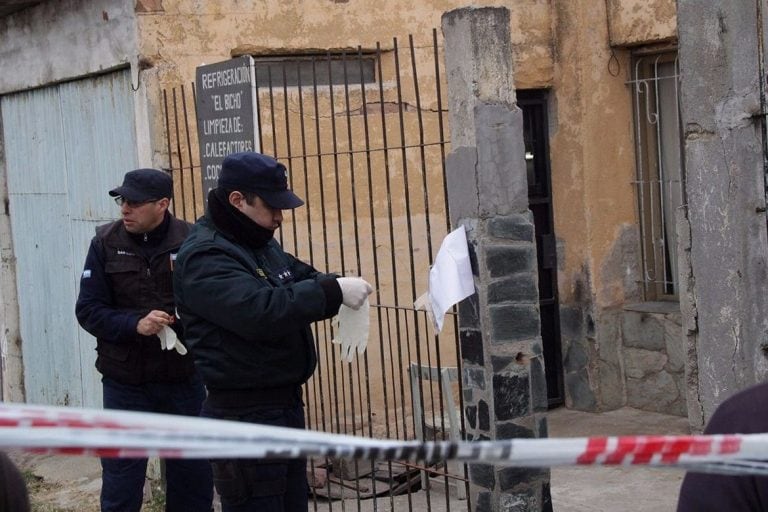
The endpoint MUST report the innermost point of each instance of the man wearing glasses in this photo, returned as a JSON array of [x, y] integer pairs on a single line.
[[126, 302]]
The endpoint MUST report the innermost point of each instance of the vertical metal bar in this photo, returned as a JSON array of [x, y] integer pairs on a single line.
[[272, 111], [683, 193], [258, 100], [307, 200], [189, 152], [393, 262], [194, 182], [168, 139], [393, 276], [640, 176], [339, 233], [178, 150], [436, 338], [441, 130], [369, 170], [425, 198], [289, 157], [303, 133], [357, 243], [651, 187], [404, 158], [322, 210], [660, 167]]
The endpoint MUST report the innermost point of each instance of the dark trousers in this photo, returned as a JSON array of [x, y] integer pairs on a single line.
[[189, 485], [252, 485]]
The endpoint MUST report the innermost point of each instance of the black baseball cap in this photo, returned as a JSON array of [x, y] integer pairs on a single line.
[[248, 171], [141, 185]]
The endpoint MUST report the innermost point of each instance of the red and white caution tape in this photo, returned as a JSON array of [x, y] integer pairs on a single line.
[[107, 433]]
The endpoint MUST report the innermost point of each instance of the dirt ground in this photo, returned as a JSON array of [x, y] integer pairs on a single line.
[[60, 484], [72, 484]]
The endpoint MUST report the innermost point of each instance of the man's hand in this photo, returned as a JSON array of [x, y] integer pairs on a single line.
[[154, 322], [354, 291]]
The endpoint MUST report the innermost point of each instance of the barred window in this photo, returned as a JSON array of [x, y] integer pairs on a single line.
[[315, 70], [659, 169]]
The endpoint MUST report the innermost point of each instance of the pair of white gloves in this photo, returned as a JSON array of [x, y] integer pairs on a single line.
[[351, 324]]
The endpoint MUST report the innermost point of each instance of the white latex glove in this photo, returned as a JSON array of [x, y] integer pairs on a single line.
[[354, 291], [351, 330], [169, 341]]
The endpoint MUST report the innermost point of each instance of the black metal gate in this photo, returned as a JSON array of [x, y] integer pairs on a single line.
[[364, 134]]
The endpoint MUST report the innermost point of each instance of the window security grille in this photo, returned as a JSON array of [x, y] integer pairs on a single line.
[[659, 169]]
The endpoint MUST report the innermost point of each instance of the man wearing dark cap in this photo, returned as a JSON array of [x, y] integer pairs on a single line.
[[247, 307], [126, 301]]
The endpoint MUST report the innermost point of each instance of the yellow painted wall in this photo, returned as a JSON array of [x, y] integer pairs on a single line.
[[634, 22], [591, 149]]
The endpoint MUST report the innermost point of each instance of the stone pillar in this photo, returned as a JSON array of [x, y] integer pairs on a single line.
[[505, 390], [723, 238]]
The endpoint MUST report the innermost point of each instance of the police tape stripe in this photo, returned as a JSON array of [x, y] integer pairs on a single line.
[[107, 433]]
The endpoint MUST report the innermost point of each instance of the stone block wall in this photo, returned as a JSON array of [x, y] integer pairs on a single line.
[[654, 357]]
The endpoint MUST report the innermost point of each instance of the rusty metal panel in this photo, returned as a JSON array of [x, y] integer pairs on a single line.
[[65, 145]]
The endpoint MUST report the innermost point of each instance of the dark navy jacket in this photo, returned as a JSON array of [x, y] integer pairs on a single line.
[[745, 412], [123, 280], [247, 314]]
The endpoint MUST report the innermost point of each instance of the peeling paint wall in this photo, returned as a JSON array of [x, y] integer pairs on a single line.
[[61, 40], [560, 45], [634, 22], [176, 36], [594, 208], [185, 33], [557, 45]]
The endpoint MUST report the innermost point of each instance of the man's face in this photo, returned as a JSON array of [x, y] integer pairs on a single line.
[[258, 211], [143, 217]]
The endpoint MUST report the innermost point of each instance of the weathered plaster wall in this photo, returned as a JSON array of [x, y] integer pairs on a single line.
[[176, 36], [63, 39], [592, 171], [187, 33], [561, 45], [558, 45], [725, 258], [634, 22]]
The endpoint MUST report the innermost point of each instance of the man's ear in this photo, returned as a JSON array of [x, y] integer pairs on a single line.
[[165, 202], [235, 199]]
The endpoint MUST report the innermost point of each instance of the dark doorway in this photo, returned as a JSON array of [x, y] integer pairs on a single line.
[[534, 106]]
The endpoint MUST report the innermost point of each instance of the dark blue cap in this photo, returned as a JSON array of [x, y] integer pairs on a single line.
[[261, 174], [142, 185]]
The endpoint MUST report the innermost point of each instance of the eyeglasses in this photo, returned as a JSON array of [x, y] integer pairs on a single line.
[[120, 200]]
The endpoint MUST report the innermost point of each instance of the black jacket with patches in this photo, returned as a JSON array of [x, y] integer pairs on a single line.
[[247, 311], [125, 277]]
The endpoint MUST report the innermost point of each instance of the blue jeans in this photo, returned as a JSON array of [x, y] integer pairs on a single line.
[[252, 485], [189, 482]]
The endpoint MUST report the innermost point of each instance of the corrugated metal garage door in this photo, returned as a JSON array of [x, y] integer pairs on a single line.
[[65, 146]]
